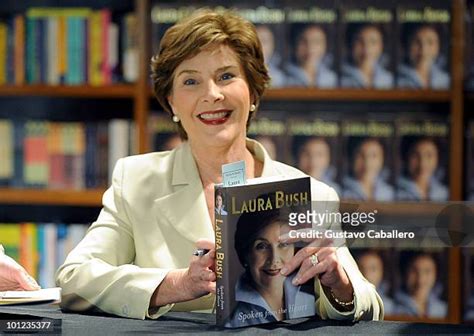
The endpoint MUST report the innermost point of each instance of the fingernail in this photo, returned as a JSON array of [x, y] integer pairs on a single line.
[[295, 281], [283, 271]]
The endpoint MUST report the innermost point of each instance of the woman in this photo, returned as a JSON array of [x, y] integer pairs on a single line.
[[422, 68], [271, 56], [220, 204], [364, 68], [417, 297], [136, 259], [262, 289], [420, 182], [366, 181], [310, 66]]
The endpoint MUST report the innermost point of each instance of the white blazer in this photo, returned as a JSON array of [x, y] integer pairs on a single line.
[[152, 216]]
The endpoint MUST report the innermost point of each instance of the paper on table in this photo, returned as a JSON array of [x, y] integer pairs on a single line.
[[43, 295]]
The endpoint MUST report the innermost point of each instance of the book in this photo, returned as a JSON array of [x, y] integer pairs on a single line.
[[270, 26], [366, 49], [421, 25], [163, 133], [469, 47], [315, 148], [470, 162], [270, 128], [52, 295], [368, 162], [249, 220], [422, 159], [468, 281], [312, 34]]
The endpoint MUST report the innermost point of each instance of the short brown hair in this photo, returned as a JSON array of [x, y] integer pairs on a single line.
[[198, 32]]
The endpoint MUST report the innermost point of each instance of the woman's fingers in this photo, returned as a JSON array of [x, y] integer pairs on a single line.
[[326, 261], [305, 253]]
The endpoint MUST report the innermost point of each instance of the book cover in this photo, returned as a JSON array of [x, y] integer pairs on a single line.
[[368, 164], [312, 36], [424, 45], [249, 255], [422, 282], [367, 45], [270, 128], [469, 47], [470, 162], [468, 281], [315, 148], [163, 17], [423, 158], [270, 26], [163, 133]]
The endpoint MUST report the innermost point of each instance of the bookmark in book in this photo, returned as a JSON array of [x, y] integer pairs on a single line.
[[233, 174]]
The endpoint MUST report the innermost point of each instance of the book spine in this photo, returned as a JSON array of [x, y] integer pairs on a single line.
[[222, 241], [19, 57], [3, 53], [95, 50]]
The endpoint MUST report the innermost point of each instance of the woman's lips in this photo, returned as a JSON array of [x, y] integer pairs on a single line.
[[272, 272], [215, 117]]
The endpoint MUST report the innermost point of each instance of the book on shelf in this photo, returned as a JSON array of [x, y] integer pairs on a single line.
[[367, 45], [469, 159], [422, 163], [468, 284], [315, 147], [469, 47], [66, 46], [40, 247], [163, 132], [249, 219], [311, 48], [46, 295], [62, 155], [270, 129], [423, 60], [270, 26], [367, 169]]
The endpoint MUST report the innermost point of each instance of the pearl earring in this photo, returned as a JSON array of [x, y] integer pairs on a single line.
[[175, 118], [252, 107]]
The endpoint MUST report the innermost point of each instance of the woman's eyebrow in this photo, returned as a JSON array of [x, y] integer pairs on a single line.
[[187, 71]]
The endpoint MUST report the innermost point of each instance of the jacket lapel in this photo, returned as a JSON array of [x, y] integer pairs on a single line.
[[185, 209]]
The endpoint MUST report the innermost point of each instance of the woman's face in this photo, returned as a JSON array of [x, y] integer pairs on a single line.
[[424, 47], [367, 47], [311, 46], [314, 158], [421, 276], [423, 160], [368, 161], [211, 97], [218, 201], [372, 268], [267, 256], [265, 36]]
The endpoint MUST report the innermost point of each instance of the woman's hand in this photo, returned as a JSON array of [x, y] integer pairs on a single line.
[[13, 276], [326, 266], [200, 277], [189, 283]]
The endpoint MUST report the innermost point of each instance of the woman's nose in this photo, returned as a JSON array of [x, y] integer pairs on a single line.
[[212, 92]]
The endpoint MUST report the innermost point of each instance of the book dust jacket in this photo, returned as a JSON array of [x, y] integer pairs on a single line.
[[250, 255]]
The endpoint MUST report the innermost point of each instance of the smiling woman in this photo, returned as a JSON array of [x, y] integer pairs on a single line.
[[137, 258]]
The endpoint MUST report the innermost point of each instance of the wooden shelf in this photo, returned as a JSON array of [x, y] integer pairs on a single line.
[[91, 197], [357, 95], [80, 91]]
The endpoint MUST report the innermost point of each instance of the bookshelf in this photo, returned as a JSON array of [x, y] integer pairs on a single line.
[[139, 93]]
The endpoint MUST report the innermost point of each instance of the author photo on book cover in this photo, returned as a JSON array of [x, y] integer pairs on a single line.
[[313, 156], [367, 174], [138, 259], [419, 294], [366, 64], [262, 291], [311, 60], [425, 58], [421, 178]]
